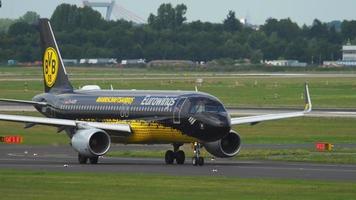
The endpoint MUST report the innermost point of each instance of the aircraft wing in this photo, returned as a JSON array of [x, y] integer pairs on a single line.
[[269, 117], [125, 128]]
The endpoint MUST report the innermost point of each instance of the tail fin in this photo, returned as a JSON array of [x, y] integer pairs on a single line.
[[54, 73]]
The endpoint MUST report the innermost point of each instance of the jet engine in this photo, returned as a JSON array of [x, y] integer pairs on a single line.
[[91, 142], [226, 147]]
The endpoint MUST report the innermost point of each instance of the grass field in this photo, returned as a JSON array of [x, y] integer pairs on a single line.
[[49, 185], [337, 156], [290, 131], [236, 91], [233, 91]]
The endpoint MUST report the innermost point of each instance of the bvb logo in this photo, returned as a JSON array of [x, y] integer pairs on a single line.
[[50, 66]]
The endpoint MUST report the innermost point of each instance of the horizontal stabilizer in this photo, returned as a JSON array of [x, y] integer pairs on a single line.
[[23, 102]]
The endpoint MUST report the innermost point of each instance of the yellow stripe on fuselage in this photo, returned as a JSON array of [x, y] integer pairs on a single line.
[[144, 132], [118, 100]]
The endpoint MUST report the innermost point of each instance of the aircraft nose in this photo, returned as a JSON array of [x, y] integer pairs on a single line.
[[218, 120]]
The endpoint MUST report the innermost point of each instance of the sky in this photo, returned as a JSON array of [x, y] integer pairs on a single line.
[[256, 11]]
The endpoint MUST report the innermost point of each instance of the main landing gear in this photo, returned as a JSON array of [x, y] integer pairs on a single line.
[[83, 159], [177, 155], [197, 159]]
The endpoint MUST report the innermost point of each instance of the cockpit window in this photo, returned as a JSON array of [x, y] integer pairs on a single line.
[[198, 106], [214, 108]]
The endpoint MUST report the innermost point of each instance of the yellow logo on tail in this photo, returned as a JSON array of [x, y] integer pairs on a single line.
[[50, 66]]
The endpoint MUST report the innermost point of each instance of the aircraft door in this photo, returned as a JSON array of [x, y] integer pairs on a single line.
[[177, 110]]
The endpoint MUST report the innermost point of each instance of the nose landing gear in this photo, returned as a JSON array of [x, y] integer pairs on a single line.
[[197, 159]]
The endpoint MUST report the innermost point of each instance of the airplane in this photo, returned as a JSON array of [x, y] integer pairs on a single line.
[[94, 118]]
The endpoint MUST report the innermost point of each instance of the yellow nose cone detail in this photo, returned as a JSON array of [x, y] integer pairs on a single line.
[[50, 66]]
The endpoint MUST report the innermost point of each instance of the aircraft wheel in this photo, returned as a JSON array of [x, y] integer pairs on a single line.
[[200, 161], [180, 157], [94, 160], [82, 159], [195, 161], [169, 157]]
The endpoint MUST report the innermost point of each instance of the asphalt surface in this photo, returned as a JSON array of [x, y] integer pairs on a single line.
[[328, 113], [63, 158]]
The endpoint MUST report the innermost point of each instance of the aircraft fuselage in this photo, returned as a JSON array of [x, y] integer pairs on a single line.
[[155, 116]]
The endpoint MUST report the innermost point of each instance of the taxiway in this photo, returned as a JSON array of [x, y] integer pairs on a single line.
[[63, 158]]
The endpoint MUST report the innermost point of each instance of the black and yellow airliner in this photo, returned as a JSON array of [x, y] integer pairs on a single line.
[[95, 118]]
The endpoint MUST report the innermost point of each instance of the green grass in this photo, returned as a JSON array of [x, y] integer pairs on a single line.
[[233, 91], [37, 135], [300, 131], [49, 185], [290, 131], [337, 156]]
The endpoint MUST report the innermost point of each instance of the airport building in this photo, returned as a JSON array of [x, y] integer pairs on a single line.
[[348, 57], [285, 63]]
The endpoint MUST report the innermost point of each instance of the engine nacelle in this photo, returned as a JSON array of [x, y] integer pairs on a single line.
[[91, 142], [227, 147]]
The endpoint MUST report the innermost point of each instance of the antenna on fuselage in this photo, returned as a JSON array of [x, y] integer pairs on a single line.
[[196, 89], [111, 87]]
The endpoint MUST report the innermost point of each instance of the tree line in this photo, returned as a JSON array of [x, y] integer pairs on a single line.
[[83, 33]]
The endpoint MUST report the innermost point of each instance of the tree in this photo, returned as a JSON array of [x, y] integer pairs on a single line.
[[348, 29], [89, 17], [5, 24], [21, 28], [168, 17], [65, 17], [69, 17], [319, 29], [231, 23], [285, 28], [180, 12], [83, 33], [30, 17]]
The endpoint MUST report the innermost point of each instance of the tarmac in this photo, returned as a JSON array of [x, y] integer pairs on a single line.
[[327, 113], [64, 159]]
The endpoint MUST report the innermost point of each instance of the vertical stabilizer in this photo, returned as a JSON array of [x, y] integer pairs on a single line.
[[54, 73]]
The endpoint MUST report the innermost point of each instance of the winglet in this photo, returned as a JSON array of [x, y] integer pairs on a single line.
[[308, 103]]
